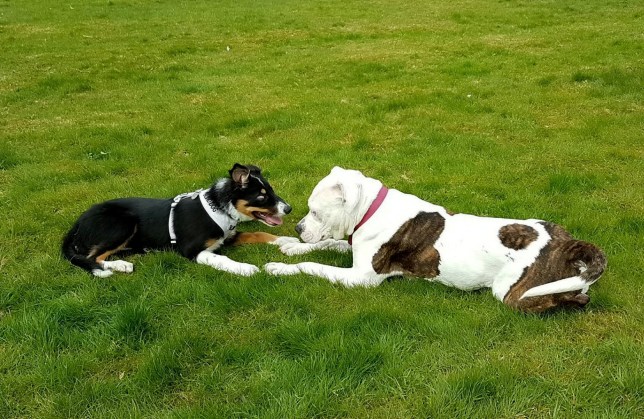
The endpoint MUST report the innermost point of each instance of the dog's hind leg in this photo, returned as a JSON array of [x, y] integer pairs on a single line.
[[112, 243], [541, 286], [107, 266]]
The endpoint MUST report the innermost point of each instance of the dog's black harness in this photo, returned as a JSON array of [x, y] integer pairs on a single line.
[[223, 219]]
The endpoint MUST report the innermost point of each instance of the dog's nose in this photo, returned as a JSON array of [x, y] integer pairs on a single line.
[[299, 227], [287, 208]]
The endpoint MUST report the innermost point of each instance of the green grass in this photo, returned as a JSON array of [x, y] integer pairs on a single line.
[[522, 109]]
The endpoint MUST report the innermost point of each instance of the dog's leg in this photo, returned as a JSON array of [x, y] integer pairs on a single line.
[[101, 273], [226, 264], [296, 248], [260, 237], [346, 276], [118, 266], [109, 267]]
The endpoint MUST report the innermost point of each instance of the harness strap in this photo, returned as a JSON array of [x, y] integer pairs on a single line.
[[223, 219], [175, 202]]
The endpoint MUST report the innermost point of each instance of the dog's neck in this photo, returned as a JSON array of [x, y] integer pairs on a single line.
[[370, 189], [220, 196]]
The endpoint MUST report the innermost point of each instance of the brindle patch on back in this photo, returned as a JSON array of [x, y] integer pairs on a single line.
[[517, 236], [411, 250]]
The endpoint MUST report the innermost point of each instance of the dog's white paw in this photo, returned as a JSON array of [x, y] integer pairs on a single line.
[[277, 268], [298, 248], [282, 240], [102, 273], [119, 266], [245, 269]]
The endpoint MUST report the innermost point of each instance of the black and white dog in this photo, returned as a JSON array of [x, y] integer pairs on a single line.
[[531, 265], [193, 224]]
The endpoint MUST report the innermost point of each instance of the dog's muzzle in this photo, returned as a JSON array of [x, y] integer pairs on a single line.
[[284, 208]]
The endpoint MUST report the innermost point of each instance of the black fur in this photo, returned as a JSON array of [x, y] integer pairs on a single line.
[[140, 224]]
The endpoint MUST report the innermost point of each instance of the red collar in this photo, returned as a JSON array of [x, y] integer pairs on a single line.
[[372, 209]]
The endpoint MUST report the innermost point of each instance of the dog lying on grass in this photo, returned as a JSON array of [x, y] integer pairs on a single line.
[[531, 265], [192, 224]]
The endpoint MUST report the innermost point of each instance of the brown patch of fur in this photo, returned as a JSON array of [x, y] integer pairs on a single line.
[[211, 242], [250, 238], [517, 236], [101, 258], [559, 259], [242, 206], [107, 253], [411, 250]]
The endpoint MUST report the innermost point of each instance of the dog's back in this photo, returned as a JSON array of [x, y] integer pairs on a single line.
[[111, 225]]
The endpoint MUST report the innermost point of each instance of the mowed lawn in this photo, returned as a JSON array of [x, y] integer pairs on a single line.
[[518, 109]]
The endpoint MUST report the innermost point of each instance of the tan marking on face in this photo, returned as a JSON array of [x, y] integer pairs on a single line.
[[263, 191], [242, 207], [411, 250], [250, 238], [557, 260], [517, 236]]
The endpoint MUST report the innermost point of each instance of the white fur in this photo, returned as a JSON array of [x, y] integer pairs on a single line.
[[101, 273], [226, 264], [284, 240], [563, 285], [118, 266], [109, 267], [281, 207], [297, 248], [471, 253]]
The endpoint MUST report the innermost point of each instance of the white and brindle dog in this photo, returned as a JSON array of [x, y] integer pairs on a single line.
[[531, 265]]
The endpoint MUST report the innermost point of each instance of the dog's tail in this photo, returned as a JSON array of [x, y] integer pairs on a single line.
[[591, 262], [70, 252]]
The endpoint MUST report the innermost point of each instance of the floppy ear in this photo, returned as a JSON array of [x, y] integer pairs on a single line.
[[338, 171], [239, 174], [351, 192]]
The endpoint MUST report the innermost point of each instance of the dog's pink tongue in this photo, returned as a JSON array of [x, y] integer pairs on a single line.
[[274, 220]]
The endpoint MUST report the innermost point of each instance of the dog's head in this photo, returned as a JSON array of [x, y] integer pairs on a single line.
[[254, 198], [332, 206]]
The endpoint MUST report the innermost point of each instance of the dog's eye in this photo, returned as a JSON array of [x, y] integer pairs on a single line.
[[314, 214], [261, 197]]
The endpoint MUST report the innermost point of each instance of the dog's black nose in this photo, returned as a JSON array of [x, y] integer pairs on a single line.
[[287, 209], [299, 228]]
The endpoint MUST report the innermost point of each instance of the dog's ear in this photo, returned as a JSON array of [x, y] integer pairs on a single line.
[[240, 174], [350, 192], [338, 171]]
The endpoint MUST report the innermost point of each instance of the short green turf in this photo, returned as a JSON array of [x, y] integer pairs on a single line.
[[506, 108]]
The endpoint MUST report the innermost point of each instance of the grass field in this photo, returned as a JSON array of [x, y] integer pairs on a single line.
[[509, 108]]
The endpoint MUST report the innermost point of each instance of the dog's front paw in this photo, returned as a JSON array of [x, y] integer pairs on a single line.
[[282, 240], [245, 269], [277, 268], [297, 248]]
